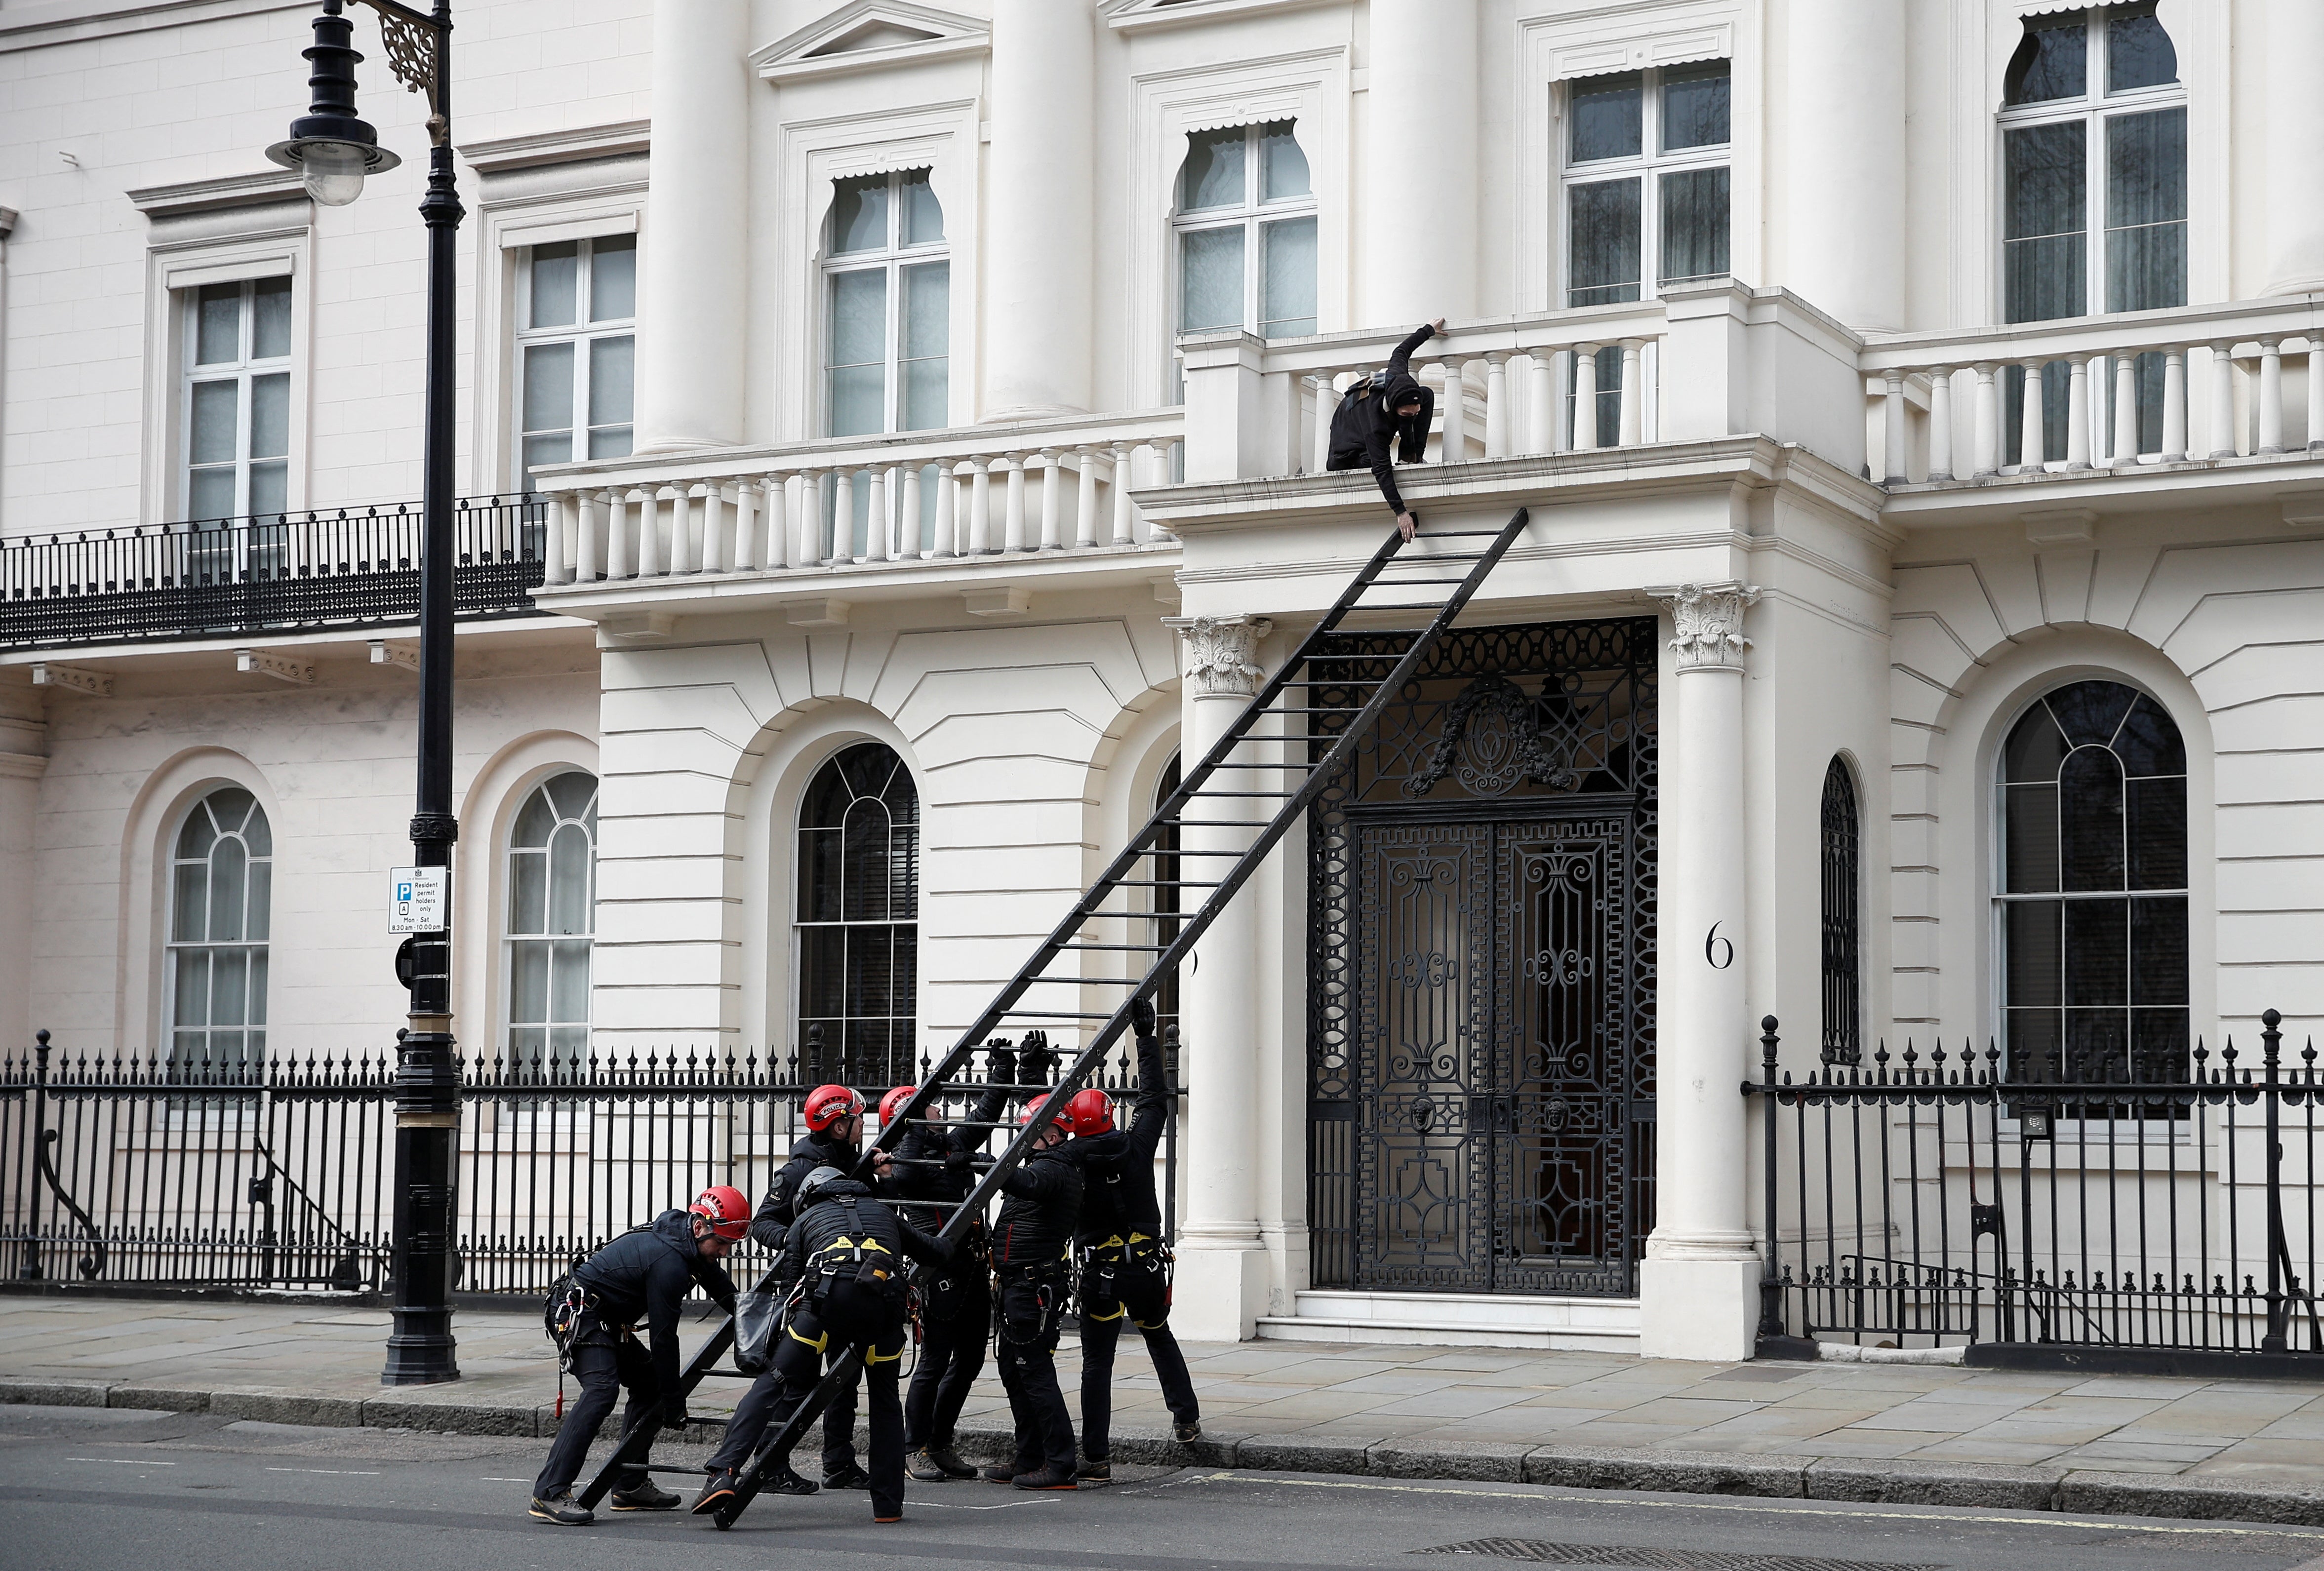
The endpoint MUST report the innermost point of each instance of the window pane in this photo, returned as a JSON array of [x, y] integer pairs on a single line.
[[217, 417], [1282, 165], [859, 395], [2090, 821], [928, 404], [869, 954], [542, 451], [923, 214], [258, 912], [1608, 117], [197, 836], [556, 282], [2147, 741], [1695, 107], [610, 375], [255, 1000], [2157, 834], [610, 442], [2098, 952], [570, 793], [2158, 1046], [2035, 749], [568, 974], [818, 899], [189, 909], [614, 278], [2158, 951], [217, 317], [1211, 287], [2098, 1045], [229, 986], [190, 995], [2139, 53], [2033, 1044], [2030, 843], [864, 897], [859, 213], [927, 327], [549, 387], [254, 825], [1694, 224], [527, 892], [1212, 176], [2146, 211], [2045, 215], [569, 880], [270, 416], [270, 328], [2091, 714], [210, 494], [2031, 936], [2050, 62], [1287, 306], [2043, 278], [227, 864], [528, 982], [823, 959], [859, 318], [270, 489], [1604, 266]]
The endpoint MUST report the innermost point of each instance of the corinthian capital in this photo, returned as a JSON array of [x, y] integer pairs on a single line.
[[1221, 653], [1707, 623]]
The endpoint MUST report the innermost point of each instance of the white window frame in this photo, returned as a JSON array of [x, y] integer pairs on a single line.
[[1252, 215], [2094, 108], [243, 370], [1647, 167], [581, 333], [172, 945], [892, 259], [511, 941]]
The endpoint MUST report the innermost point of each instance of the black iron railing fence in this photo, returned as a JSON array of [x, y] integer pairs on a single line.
[[145, 1171], [275, 573], [1934, 1199]]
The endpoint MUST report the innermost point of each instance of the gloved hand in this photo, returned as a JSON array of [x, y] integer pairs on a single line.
[[1000, 1062], [673, 1415], [1037, 1060], [957, 1160], [1141, 1016]]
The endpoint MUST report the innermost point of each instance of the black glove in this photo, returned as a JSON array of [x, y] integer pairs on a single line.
[[957, 1159], [673, 1415], [1000, 1062], [1037, 1060], [1141, 1016]]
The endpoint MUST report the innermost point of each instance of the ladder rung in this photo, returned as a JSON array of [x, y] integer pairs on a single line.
[[1458, 535], [1406, 605], [1144, 948], [1408, 583], [1046, 1014], [1093, 981], [1214, 823], [1157, 884]]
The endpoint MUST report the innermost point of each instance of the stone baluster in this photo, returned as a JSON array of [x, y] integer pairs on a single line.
[[1984, 415], [1124, 524], [1892, 403], [681, 527], [1452, 443], [876, 527], [1085, 498], [947, 542], [2223, 400], [2271, 396], [2078, 372], [1013, 507], [2315, 391], [1941, 422], [649, 557], [585, 565], [911, 504], [2031, 437], [2174, 406], [1634, 393], [717, 532], [620, 563], [2125, 409], [1327, 400], [777, 523], [809, 514], [842, 553], [553, 557], [1051, 520], [746, 556], [980, 506], [1585, 397], [1541, 409], [1496, 404]]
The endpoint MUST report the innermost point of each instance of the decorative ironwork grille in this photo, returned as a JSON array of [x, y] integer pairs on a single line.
[[1843, 1041], [1481, 981]]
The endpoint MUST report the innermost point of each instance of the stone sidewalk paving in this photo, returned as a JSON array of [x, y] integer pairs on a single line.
[[1880, 1432]]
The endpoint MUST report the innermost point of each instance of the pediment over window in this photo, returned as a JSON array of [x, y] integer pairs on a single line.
[[871, 35], [1139, 16]]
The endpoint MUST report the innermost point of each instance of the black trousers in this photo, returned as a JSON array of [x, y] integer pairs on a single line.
[[1030, 1309], [1114, 1291], [955, 1323], [602, 1368], [808, 1342]]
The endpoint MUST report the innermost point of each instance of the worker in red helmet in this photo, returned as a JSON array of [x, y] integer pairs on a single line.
[[642, 1275], [1125, 1260], [1042, 1198], [834, 1116]]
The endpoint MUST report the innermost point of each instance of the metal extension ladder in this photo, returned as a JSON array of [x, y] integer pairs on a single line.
[[1288, 699]]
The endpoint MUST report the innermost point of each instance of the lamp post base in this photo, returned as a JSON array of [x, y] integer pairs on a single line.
[[421, 1350]]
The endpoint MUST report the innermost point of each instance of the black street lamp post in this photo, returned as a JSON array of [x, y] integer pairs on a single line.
[[334, 150]]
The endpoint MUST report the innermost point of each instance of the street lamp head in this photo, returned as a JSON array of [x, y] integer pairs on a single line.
[[330, 148]]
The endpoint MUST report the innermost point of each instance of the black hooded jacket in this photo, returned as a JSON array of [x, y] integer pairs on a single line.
[[812, 1151], [644, 1275], [1118, 1167], [832, 1218], [1039, 1216], [955, 1145], [1363, 429]]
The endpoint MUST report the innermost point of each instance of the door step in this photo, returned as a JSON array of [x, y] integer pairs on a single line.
[[1459, 1320]]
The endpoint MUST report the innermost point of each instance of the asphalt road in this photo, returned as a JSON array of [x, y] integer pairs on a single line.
[[93, 1490]]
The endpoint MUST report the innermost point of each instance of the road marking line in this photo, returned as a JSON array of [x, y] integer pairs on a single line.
[[996, 1505], [330, 1472], [1826, 1508], [122, 1461], [482, 1479]]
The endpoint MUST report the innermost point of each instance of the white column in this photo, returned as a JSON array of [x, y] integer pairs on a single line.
[[2174, 405], [1541, 411], [650, 557], [1892, 423], [947, 541], [1013, 507], [1452, 443], [1124, 514], [980, 506], [1221, 1289], [585, 555], [1843, 156], [810, 513], [1699, 1285], [875, 517], [1633, 401], [681, 528], [1941, 422], [1051, 539], [1585, 397], [1496, 405], [2033, 434], [690, 301], [2223, 400], [2078, 411], [2290, 35], [1085, 498], [908, 517], [619, 563], [1039, 188], [1420, 241], [2125, 409], [553, 555], [717, 533], [1986, 413], [842, 515], [2271, 396]]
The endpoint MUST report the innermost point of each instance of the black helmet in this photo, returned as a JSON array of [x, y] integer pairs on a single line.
[[811, 1187]]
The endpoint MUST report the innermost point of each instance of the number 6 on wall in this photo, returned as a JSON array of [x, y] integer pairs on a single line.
[[1713, 943]]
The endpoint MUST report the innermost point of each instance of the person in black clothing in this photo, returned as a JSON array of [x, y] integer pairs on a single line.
[[845, 1252], [1125, 1261], [1392, 410], [835, 1136], [643, 1274], [1030, 1240], [936, 1162]]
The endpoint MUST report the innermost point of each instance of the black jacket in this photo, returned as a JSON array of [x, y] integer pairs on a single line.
[[644, 1275], [832, 1217], [1363, 428], [1039, 1216], [1118, 1167], [811, 1150], [954, 1145]]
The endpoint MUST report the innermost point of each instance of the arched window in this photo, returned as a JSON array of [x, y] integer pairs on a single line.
[[2093, 196], [552, 902], [2092, 901], [1246, 229], [858, 918], [889, 287], [1843, 1041], [221, 887]]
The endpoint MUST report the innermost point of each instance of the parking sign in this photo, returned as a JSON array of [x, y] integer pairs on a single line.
[[416, 899]]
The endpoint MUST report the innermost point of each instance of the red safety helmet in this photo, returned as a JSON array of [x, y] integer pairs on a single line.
[[729, 1212], [893, 1103], [1090, 1112], [1032, 1107], [827, 1105]]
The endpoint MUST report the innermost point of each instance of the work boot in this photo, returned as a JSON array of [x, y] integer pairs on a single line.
[[1001, 1473], [943, 1456], [1046, 1477], [716, 1491], [1100, 1471], [563, 1509], [923, 1468], [1187, 1433], [848, 1477], [789, 1480], [645, 1497]]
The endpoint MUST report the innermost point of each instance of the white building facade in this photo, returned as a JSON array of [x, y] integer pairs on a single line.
[[925, 410]]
